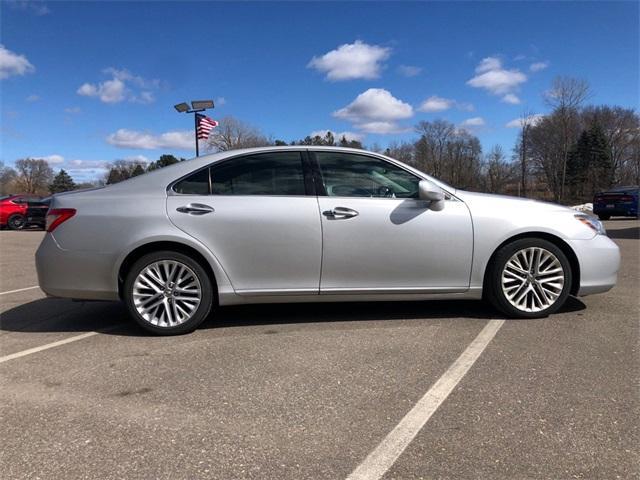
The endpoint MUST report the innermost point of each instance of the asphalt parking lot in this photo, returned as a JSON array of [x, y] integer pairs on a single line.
[[310, 391]]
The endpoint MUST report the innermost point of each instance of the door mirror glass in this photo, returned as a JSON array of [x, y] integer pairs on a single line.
[[430, 192]]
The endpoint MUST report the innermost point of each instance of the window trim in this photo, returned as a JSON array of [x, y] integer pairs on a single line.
[[307, 175]]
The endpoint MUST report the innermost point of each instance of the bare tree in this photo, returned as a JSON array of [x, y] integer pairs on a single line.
[[7, 179], [621, 127], [232, 134], [498, 173], [565, 97], [33, 175], [527, 119], [403, 151]]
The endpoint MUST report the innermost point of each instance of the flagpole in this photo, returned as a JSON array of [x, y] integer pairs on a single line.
[[195, 132]]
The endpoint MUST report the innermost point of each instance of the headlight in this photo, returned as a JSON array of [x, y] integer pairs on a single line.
[[593, 223]]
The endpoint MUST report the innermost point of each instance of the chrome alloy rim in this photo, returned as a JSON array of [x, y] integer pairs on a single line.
[[532, 279], [166, 293]]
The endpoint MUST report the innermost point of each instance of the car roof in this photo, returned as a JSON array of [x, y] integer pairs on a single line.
[[162, 177]]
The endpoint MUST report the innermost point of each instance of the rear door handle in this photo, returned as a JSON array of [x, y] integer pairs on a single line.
[[195, 209], [341, 212]]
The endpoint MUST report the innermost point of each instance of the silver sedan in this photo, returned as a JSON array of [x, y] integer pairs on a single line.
[[312, 224]]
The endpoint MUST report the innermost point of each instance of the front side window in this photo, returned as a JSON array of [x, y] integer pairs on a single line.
[[277, 173], [349, 175]]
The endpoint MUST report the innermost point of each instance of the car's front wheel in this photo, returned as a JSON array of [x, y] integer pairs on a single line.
[[529, 278], [168, 293], [17, 221]]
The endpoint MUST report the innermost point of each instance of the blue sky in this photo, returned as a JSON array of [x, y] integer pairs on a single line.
[[86, 83]]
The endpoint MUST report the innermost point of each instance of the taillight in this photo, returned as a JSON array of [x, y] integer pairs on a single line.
[[56, 216]]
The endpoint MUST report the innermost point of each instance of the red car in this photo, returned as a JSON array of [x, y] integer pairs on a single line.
[[19, 211]]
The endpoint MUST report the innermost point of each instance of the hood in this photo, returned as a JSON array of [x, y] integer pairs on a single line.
[[506, 202]]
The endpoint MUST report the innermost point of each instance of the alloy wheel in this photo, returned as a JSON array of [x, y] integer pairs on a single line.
[[532, 279], [166, 293], [17, 222]]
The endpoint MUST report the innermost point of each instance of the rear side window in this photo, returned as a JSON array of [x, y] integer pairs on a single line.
[[277, 173], [195, 184]]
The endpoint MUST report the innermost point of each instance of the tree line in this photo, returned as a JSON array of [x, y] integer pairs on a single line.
[[566, 155]]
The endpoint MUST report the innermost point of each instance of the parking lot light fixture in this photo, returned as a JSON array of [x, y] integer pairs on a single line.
[[196, 106]]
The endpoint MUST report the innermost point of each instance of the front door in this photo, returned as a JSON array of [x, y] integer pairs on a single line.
[[378, 236]]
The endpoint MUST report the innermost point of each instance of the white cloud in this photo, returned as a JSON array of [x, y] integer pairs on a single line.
[[220, 101], [351, 61], [538, 66], [72, 110], [375, 111], [87, 164], [13, 64], [473, 122], [491, 76], [122, 86], [33, 98], [338, 135], [489, 63], [511, 98], [53, 159], [517, 122], [409, 70], [123, 138], [36, 7], [436, 104], [375, 104], [382, 127], [137, 158]]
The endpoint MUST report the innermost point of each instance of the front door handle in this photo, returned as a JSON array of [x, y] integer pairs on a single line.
[[340, 212], [195, 209]]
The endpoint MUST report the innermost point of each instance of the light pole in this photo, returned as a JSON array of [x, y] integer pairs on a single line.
[[196, 106]]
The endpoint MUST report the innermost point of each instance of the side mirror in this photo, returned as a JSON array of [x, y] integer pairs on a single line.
[[432, 193]]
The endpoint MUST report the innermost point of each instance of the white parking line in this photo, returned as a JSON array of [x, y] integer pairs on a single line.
[[19, 290], [47, 346], [388, 451]]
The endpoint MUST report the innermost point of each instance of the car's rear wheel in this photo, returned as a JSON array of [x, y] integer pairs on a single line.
[[529, 278], [168, 293], [17, 221], [602, 216]]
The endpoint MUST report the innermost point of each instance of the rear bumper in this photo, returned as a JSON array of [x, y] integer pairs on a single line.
[[75, 274], [617, 211], [599, 260]]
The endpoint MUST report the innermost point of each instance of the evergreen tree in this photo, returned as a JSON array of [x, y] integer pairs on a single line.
[[137, 170], [163, 161], [62, 182], [589, 165]]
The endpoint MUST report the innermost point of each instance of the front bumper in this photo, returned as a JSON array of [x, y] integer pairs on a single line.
[[599, 260], [75, 274]]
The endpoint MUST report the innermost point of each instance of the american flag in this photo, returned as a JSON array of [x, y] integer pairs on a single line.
[[205, 125]]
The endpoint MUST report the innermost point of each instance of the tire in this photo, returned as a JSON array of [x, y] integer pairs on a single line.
[[157, 305], [16, 222], [602, 216], [546, 291]]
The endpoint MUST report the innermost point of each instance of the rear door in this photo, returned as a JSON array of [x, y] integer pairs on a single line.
[[379, 237], [259, 216]]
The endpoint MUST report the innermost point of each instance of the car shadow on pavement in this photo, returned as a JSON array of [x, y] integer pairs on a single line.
[[61, 315]]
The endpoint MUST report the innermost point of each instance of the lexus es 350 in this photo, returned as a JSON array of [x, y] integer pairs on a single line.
[[312, 224]]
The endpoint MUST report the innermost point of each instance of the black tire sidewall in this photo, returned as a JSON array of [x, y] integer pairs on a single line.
[[13, 217], [495, 293], [206, 302]]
